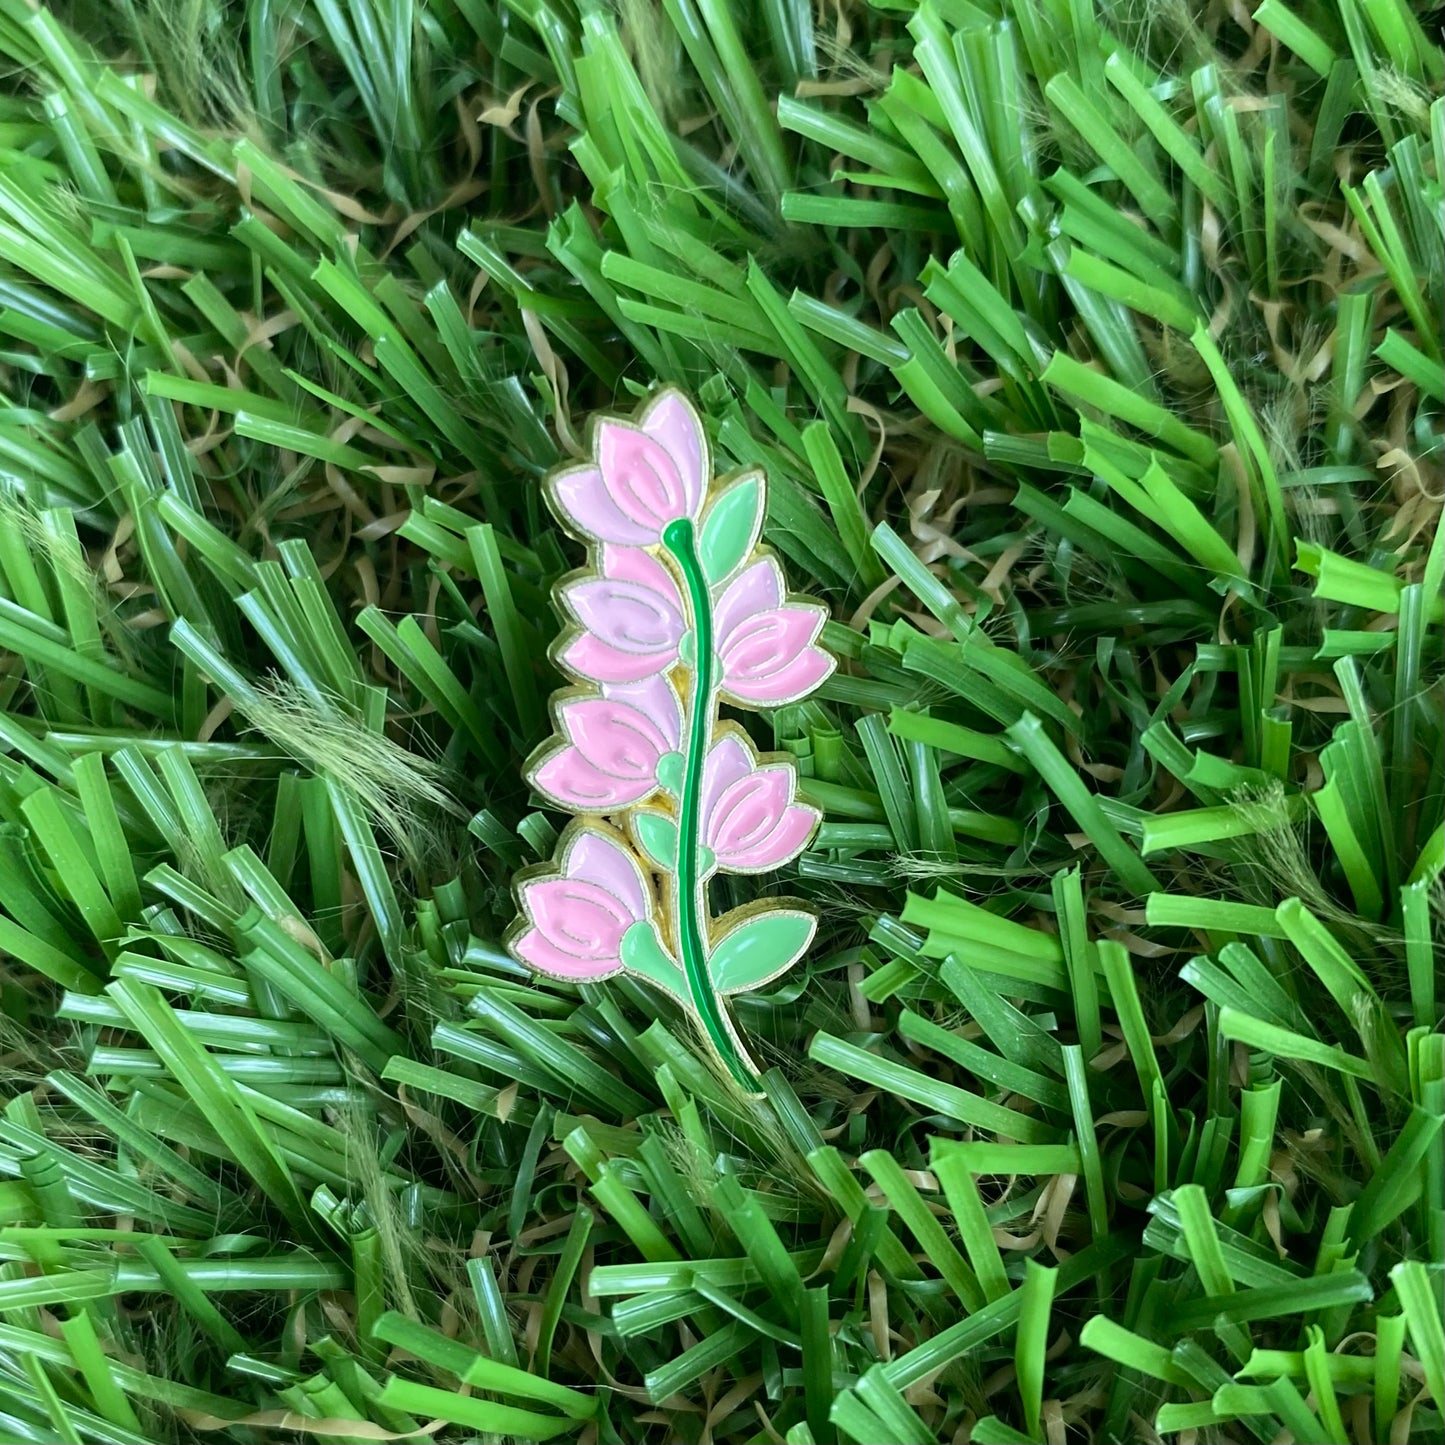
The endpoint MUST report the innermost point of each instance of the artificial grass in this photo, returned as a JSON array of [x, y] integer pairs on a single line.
[[1094, 355]]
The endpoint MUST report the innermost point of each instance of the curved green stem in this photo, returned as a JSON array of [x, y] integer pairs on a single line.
[[691, 888]]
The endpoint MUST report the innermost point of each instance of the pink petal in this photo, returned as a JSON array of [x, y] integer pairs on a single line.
[[595, 661], [641, 477], [572, 781], [632, 564], [747, 810], [616, 739], [762, 646], [609, 865], [767, 640], [729, 761], [785, 841], [626, 615], [533, 949], [790, 683], [757, 589], [584, 498], [657, 700], [579, 918], [673, 424]]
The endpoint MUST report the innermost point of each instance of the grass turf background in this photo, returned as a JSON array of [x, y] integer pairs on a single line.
[[1094, 355]]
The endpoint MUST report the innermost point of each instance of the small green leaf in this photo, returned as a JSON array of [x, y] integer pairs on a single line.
[[643, 954], [731, 529], [658, 836], [759, 949], [669, 771]]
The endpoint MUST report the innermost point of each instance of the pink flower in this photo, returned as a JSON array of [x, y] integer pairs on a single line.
[[647, 475], [749, 818], [767, 649], [578, 920], [614, 745], [633, 616]]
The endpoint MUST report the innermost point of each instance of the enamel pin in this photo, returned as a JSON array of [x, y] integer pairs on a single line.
[[678, 610]]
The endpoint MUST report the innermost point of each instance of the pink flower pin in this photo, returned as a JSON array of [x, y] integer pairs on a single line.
[[767, 646], [631, 615], [614, 744], [647, 475], [579, 920], [750, 820], [679, 610]]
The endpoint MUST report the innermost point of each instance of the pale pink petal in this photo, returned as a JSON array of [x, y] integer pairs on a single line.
[[535, 950], [572, 781], [756, 589], [584, 497], [729, 761], [769, 640], [673, 424], [785, 842], [632, 564], [595, 859], [626, 615], [757, 825], [596, 661], [615, 738], [657, 700], [579, 917], [747, 811], [789, 683], [641, 477]]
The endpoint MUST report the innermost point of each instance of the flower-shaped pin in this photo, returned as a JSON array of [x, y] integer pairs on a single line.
[[678, 611]]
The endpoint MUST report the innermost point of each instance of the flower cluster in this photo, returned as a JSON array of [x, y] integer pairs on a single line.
[[580, 918], [678, 611], [633, 628]]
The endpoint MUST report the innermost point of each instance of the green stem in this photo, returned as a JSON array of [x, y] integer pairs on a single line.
[[691, 887]]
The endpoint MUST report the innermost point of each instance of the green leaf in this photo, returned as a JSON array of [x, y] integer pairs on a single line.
[[670, 767], [657, 836], [843, 503], [1033, 1339], [642, 952], [1289, 1045], [1422, 1314], [471, 1412], [759, 948], [934, 1094], [730, 529]]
